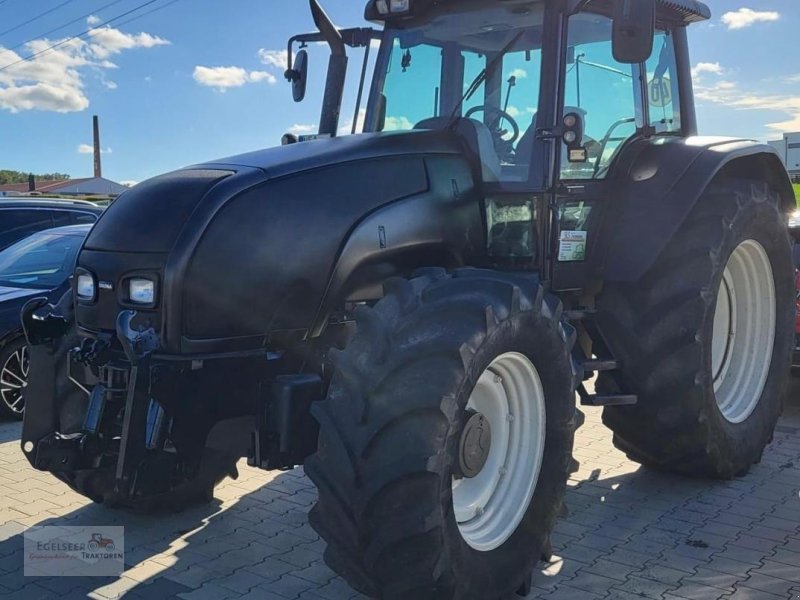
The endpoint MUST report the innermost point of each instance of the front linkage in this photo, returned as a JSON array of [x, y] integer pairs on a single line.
[[121, 418], [122, 423]]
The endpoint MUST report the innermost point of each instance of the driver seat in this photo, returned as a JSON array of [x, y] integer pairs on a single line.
[[478, 139]]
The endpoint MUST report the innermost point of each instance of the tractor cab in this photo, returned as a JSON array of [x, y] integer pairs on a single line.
[[544, 96]]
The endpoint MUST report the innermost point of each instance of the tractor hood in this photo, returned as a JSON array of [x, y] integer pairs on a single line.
[[149, 217], [245, 245]]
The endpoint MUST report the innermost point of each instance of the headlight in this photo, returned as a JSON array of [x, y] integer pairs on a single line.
[[86, 287], [142, 291], [400, 6]]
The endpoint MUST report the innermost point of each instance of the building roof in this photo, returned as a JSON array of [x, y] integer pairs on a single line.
[[90, 186]]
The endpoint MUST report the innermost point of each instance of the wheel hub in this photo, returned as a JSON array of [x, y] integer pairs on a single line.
[[475, 443], [500, 452], [743, 331]]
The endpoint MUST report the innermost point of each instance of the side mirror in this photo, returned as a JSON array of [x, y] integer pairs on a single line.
[[572, 134], [298, 75], [381, 109], [634, 30]]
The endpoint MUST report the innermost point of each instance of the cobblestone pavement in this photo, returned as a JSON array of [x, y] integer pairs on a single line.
[[630, 533]]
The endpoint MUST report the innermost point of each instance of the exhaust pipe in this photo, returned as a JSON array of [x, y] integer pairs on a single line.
[[337, 71]]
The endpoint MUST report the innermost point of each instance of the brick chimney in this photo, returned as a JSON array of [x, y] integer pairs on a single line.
[[98, 168]]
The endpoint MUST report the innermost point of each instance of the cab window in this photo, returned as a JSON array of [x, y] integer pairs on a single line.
[[604, 92], [662, 86]]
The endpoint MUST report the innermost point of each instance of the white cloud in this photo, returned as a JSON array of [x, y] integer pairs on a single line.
[[223, 78], [705, 67], [303, 129], [89, 149], [733, 95], [398, 123], [128, 183], [518, 73], [273, 58], [107, 41], [93, 20], [515, 112], [745, 17], [347, 127], [55, 79]]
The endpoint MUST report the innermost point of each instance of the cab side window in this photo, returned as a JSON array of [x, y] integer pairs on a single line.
[[607, 94], [662, 85]]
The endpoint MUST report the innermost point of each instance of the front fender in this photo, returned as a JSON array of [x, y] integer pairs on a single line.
[[660, 180]]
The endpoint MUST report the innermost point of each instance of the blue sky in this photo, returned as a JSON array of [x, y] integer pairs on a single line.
[[198, 79]]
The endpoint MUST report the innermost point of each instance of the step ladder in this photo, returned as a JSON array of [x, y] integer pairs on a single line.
[[599, 364]]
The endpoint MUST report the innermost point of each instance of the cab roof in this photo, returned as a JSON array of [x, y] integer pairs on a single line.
[[684, 11]]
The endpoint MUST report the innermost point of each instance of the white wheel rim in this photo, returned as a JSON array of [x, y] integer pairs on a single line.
[[489, 507], [14, 380], [744, 331]]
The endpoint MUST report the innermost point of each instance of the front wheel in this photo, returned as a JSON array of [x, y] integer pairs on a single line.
[[14, 365], [446, 438]]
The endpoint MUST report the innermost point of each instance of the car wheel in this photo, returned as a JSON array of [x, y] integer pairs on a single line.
[[14, 366]]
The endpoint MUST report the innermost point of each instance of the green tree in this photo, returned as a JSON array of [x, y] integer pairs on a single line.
[[8, 176]]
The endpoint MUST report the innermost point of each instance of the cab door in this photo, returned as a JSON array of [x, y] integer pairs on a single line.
[[619, 103]]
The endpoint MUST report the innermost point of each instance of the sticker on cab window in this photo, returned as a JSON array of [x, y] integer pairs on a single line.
[[572, 246]]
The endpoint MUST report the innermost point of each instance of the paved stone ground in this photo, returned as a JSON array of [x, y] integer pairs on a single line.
[[630, 534]]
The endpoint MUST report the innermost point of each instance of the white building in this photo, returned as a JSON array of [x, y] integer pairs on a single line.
[[789, 149]]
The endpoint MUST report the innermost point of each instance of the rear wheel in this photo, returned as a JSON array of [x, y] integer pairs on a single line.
[[13, 378], [705, 339], [446, 437]]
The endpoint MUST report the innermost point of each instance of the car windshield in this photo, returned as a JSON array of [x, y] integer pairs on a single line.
[[430, 68], [42, 261]]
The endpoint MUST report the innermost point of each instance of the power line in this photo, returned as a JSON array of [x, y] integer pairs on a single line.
[[36, 18], [67, 24], [149, 12], [78, 36]]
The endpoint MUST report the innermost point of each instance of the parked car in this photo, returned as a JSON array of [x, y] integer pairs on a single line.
[[19, 218], [39, 265]]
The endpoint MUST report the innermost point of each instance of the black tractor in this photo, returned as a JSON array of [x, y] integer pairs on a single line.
[[410, 312]]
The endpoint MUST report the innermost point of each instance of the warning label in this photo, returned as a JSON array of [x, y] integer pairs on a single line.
[[572, 246]]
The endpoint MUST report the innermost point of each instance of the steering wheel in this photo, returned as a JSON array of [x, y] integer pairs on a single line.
[[504, 147], [606, 139]]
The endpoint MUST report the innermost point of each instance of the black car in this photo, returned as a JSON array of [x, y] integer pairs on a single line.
[[19, 218], [39, 265]]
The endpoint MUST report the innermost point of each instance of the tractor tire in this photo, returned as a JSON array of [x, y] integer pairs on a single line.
[[413, 502], [705, 338]]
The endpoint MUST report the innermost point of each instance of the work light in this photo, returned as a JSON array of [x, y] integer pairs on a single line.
[[86, 287], [142, 291], [400, 6], [382, 6]]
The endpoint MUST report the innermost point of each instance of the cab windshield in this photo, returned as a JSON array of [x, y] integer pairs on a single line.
[[492, 56]]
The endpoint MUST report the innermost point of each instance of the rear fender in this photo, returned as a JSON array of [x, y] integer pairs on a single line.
[[658, 183]]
